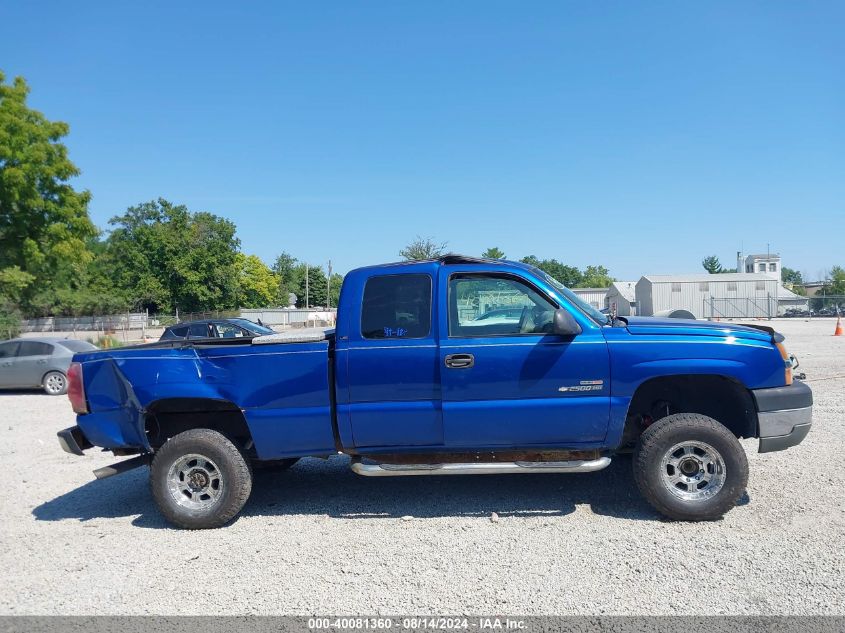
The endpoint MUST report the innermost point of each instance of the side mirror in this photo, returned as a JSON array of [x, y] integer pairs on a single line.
[[565, 324]]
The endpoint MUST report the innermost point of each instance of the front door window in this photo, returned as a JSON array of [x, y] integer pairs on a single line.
[[486, 305]]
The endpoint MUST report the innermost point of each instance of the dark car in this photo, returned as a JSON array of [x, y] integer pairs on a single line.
[[27, 363], [216, 328]]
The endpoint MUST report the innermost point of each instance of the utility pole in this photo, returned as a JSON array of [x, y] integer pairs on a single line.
[[329, 287], [306, 286]]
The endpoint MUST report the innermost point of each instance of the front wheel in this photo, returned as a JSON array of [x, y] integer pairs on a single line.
[[200, 479], [690, 467]]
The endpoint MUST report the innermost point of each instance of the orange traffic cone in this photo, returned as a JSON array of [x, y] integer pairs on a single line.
[[838, 331]]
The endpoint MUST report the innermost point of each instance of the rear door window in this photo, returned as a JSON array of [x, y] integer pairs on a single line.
[[178, 332], [198, 330], [7, 350], [396, 306], [34, 348]]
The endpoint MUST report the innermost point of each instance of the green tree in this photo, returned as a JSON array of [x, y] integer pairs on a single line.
[[291, 274], [258, 285], [596, 277], [44, 222], [286, 269], [836, 283], [317, 283], [10, 319], [569, 276], [315, 292], [423, 248], [168, 257], [712, 264], [494, 253], [834, 286], [13, 282], [790, 276]]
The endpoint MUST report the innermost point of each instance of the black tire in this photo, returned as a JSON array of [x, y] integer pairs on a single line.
[[221, 461], [273, 465], [682, 500], [54, 383]]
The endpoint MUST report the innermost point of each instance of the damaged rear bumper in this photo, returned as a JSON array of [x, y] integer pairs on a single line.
[[73, 440]]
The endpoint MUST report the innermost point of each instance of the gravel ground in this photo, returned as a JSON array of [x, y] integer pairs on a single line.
[[319, 539]]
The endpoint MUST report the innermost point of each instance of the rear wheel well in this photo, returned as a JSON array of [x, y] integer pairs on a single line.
[[719, 397], [52, 371], [169, 417]]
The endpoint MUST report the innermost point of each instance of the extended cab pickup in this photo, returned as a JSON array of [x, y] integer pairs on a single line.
[[449, 366]]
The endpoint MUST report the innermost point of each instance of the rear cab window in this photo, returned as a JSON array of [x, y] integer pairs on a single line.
[[396, 307]]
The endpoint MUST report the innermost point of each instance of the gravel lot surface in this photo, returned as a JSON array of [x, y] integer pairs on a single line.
[[319, 539]]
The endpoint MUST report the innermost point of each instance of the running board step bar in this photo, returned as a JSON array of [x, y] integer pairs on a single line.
[[492, 468]]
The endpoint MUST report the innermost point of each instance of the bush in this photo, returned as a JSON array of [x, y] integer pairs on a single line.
[[10, 320], [108, 342]]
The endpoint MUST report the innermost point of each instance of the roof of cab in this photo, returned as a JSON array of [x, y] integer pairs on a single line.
[[449, 258]]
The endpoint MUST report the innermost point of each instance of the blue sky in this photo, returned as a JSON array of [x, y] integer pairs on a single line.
[[642, 136]]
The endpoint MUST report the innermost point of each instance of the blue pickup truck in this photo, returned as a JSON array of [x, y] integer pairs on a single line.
[[451, 366]]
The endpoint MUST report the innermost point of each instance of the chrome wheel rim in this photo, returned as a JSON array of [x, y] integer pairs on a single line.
[[195, 482], [54, 383], [693, 471]]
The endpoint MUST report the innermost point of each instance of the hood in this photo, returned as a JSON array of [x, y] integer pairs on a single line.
[[691, 327]]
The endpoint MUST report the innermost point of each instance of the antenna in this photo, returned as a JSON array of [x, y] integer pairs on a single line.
[[329, 287]]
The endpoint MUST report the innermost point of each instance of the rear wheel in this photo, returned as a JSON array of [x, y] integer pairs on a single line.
[[690, 467], [200, 479], [54, 383]]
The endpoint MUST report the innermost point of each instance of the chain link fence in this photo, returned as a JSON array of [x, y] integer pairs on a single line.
[[826, 305]]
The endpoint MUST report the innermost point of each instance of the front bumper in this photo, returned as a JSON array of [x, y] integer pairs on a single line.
[[73, 440], [784, 416]]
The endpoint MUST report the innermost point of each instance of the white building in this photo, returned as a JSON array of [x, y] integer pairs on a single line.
[[594, 296], [724, 295], [621, 298], [766, 264], [789, 300]]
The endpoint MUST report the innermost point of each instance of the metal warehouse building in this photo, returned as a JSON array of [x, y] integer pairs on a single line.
[[593, 296], [622, 298], [727, 295]]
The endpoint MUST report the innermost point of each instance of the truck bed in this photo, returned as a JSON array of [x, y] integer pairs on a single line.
[[281, 386]]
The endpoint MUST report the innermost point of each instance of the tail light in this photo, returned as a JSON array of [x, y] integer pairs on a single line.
[[76, 389]]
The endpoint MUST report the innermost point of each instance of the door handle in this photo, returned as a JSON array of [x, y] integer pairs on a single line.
[[42, 362], [460, 361]]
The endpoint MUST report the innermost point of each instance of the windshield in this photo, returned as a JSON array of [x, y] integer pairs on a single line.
[[586, 308], [253, 327]]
